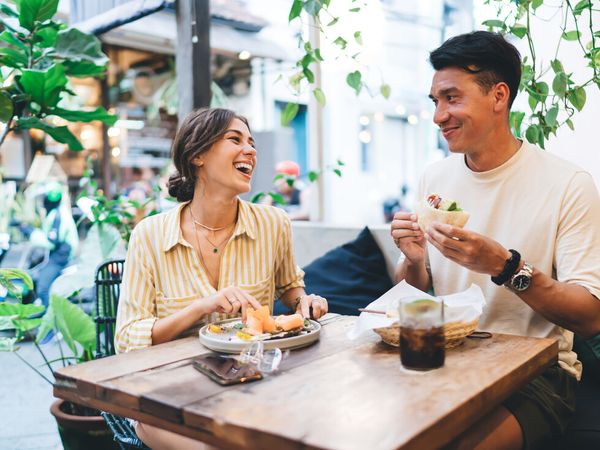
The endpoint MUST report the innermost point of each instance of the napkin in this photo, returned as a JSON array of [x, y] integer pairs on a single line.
[[464, 306]]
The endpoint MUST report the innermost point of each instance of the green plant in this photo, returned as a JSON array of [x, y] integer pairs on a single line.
[[555, 101], [38, 56], [322, 17]]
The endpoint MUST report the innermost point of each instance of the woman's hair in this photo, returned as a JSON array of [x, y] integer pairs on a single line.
[[196, 135], [490, 57]]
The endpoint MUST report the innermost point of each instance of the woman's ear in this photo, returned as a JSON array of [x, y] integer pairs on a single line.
[[197, 162]]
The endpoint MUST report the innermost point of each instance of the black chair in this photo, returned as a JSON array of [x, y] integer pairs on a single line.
[[109, 276]]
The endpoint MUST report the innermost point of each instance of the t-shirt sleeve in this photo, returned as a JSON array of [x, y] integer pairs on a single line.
[[577, 256], [288, 274], [137, 305]]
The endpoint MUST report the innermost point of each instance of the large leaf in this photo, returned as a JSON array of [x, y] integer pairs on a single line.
[[46, 37], [18, 274], [32, 11], [19, 310], [13, 57], [83, 69], [59, 134], [10, 38], [85, 116], [74, 44], [6, 108], [44, 86], [75, 325]]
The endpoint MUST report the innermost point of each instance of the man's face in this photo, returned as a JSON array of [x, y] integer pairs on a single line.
[[463, 111]]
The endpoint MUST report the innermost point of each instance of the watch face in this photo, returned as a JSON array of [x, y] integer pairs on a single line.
[[521, 282]]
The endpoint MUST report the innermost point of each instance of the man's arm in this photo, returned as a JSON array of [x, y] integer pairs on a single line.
[[568, 305]]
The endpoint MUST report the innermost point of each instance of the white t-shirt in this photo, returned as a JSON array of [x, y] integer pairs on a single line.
[[538, 204]]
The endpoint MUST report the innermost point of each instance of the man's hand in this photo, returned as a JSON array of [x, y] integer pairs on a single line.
[[467, 248], [408, 237]]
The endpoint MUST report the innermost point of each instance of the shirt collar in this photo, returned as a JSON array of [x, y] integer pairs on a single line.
[[246, 224]]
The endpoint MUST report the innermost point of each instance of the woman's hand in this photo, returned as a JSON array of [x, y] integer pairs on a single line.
[[318, 304], [231, 300]]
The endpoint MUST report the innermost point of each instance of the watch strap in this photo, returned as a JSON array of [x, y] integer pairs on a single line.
[[510, 267]]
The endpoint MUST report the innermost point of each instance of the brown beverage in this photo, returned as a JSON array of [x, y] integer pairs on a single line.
[[422, 349]]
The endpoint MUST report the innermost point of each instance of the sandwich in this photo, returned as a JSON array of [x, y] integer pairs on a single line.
[[435, 208]]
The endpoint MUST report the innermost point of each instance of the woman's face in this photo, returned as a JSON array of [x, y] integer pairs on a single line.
[[229, 164]]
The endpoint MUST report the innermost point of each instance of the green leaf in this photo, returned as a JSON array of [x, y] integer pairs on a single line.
[[333, 21], [313, 7], [582, 6], [357, 9], [338, 172], [75, 325], [59, 134], [535, 4], [577, 97], [385, 90], [493, 23], [82, 69], [46, 37], [85, 116], [74, 44], [569, 123], [8, 11], [317, 54], [288, 114], [542, 88], [13, 57], [358, 37], [519, 30], [6, 108], [19, 275], [319, 96], [551, 116], [571, 35], [532, 134], [340, 163], [11, 39], [295, 10], [32, 11], [354, 80], [313, 176], [44, 86], [290, 181], [19, 310], [256, 197], [341, 42], [516, 120], [310, 76], [559, 84], [557, 66], [277, 198]]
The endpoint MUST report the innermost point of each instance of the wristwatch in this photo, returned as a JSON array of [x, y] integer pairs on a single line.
[[521, 280]]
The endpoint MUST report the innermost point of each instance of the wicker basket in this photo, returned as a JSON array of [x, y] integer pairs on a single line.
[[454, 332]]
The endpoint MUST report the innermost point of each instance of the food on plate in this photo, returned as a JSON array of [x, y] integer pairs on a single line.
[[435, 208]]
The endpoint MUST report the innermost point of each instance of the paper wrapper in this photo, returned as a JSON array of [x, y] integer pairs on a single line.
[[461, 310]]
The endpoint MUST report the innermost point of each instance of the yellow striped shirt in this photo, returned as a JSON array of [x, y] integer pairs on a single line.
[[163, 273]]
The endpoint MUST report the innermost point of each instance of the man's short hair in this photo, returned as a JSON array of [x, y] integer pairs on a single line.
[[486, 55]]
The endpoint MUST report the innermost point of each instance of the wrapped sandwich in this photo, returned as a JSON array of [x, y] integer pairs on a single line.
[[435, 208]]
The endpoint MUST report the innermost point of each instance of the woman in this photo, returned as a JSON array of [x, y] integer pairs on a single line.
[[211, 257]]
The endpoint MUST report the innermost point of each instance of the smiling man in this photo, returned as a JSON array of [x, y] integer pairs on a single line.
[[532, 243]]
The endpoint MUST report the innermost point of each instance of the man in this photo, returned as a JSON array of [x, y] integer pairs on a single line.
[[296, 196], [532, 243]]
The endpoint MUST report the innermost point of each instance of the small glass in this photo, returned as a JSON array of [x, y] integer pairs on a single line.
[[421, 333], [266, 361]]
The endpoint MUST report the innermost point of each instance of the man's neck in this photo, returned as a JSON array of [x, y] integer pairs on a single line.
[[493, 154]]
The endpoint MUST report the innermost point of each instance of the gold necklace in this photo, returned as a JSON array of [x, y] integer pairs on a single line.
[[212, 278], [215, 247]]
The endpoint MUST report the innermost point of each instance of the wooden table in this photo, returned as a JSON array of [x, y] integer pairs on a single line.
[[336, 394]]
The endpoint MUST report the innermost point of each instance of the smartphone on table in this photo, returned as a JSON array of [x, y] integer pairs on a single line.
[[225, 370]]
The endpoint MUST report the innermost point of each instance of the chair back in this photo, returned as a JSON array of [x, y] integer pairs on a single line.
[[109, 275]]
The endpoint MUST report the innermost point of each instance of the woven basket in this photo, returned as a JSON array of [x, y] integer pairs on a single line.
[[454, 332]]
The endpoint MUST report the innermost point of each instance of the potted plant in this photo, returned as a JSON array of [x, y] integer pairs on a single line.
[[79, 427]]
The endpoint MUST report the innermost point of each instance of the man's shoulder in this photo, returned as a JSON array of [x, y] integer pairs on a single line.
[[545, 160]]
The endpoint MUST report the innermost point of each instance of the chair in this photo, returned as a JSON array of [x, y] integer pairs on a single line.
[[109, 276]]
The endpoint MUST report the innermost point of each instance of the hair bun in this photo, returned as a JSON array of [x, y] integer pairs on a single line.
[[180, 187]]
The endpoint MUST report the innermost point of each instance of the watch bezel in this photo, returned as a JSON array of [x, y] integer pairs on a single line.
[[525, 273]]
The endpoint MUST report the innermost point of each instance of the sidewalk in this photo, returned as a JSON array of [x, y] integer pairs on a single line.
[[25, 400]]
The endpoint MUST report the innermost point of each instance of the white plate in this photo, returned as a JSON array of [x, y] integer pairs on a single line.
[[229, 343]]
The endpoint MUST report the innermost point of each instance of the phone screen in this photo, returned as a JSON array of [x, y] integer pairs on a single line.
[[226, 370]]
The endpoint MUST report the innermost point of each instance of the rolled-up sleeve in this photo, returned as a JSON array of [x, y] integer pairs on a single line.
[[288, 274], [136, 313]]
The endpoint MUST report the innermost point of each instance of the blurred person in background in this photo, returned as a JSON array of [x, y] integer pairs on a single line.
[[295, 194]]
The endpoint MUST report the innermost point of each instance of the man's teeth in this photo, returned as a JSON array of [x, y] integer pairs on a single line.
[[246, 168]]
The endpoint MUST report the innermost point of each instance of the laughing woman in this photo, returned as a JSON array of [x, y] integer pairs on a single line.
[[211, 257]]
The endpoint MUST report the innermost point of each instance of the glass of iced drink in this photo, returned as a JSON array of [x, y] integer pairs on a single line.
[[421, 333]]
